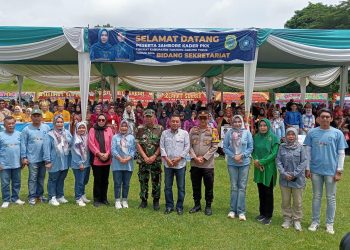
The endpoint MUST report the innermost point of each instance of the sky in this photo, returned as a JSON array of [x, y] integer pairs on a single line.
[[152, 13]]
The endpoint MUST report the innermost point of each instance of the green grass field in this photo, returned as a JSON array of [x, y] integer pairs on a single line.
[[71, 227]]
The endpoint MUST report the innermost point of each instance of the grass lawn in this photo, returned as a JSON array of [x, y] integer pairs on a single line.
[[72, 227]]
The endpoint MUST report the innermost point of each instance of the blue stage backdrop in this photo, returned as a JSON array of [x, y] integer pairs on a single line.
[[20, 125], [177, 45]]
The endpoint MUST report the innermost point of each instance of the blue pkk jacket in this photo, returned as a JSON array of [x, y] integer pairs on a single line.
[[10, 150], [291, 161], [247, 148], [32, 140], [294, 118], [77, 160], [117, 151], [59, 161]]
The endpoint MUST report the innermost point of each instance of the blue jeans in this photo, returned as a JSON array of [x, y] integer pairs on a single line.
[[169, 174], [55, 184], [238, 179], [13, 176], [81, 179], [121, 177], [317, 190], [36, 179]]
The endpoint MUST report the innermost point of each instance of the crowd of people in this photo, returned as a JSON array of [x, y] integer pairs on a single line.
[[117, 133]]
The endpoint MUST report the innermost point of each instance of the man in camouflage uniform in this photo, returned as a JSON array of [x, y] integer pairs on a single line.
[[204, 143], [147, 142]]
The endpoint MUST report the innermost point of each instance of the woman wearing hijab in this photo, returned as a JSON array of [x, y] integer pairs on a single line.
[[238, 145], [56, 154], [18, 114], [291, 163], [192, 122], [123, 151], [100, 139], [102, 50], [163, 120], [308, 119], [277, 124], [265, 172], [129, 115], [80, 163]]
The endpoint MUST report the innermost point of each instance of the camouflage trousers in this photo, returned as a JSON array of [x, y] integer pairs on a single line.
[[145, 171]]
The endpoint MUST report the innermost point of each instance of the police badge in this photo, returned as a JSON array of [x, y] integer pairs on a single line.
[[231, 42]]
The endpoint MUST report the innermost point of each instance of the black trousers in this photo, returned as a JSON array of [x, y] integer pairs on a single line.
[[207, 174], [101, 175], [266, 199]]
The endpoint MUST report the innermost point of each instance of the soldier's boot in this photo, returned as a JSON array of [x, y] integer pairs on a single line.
[[197, 207], [143, 204], [208, 210], [156, 205]]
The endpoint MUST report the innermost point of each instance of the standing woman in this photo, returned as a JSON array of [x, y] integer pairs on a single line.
[[56, 153], [238, 145], [123, 151], [80, 163], [100, 139], [265, 172]]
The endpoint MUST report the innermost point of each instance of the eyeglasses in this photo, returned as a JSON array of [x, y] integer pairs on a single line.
[[101, 120]]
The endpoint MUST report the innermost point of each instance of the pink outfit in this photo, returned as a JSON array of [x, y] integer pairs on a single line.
[[95, 147]]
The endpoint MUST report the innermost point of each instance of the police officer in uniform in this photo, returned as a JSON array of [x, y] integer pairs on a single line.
[[204, 143], [147, 143]]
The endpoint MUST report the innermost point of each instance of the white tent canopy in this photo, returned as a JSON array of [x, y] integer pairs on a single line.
[[60, 57]]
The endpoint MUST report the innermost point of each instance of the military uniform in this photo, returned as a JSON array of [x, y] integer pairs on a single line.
[[204, 142], [149, 138]]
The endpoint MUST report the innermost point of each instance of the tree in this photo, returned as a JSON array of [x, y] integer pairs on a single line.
[[321, 16]]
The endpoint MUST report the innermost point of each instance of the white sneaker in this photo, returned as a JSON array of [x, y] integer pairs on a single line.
[[54, 202], [32, 201], [329, 228], [118, 205], [242, 217], [297, 226], [286, 224], [19, 202], [81, 203], [5, 204], [231, 215], [125, 203], [313, 227], [85, 200], [62, 200]]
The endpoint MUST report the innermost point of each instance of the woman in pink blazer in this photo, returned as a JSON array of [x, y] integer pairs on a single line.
[[100, 140]]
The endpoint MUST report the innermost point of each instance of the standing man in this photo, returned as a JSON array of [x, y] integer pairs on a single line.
[[3, 111], [147, 143], [204, 143], [32, 139], [10, 167], [325, 146], [174, 146]]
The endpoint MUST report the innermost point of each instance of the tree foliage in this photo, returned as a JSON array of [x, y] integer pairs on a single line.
[[321, 16]]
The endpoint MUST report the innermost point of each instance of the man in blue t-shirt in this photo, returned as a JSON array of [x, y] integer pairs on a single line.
[[326, 154]]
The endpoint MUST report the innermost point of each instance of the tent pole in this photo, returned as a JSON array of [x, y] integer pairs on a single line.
[[20, 85], [303, 82], [343, 88]]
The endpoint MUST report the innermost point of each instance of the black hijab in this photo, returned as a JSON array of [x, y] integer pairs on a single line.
[[99, 133]]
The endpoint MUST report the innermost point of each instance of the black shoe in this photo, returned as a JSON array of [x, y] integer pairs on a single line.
[[266, 221], [195, 209], [156, 205], [143, 204], [179, 211], [168, 210], [105, 202], [208, 211], [97, 203], [260, 217]]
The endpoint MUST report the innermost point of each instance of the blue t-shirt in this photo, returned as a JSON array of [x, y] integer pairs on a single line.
[[325, 144], [10, 150]]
